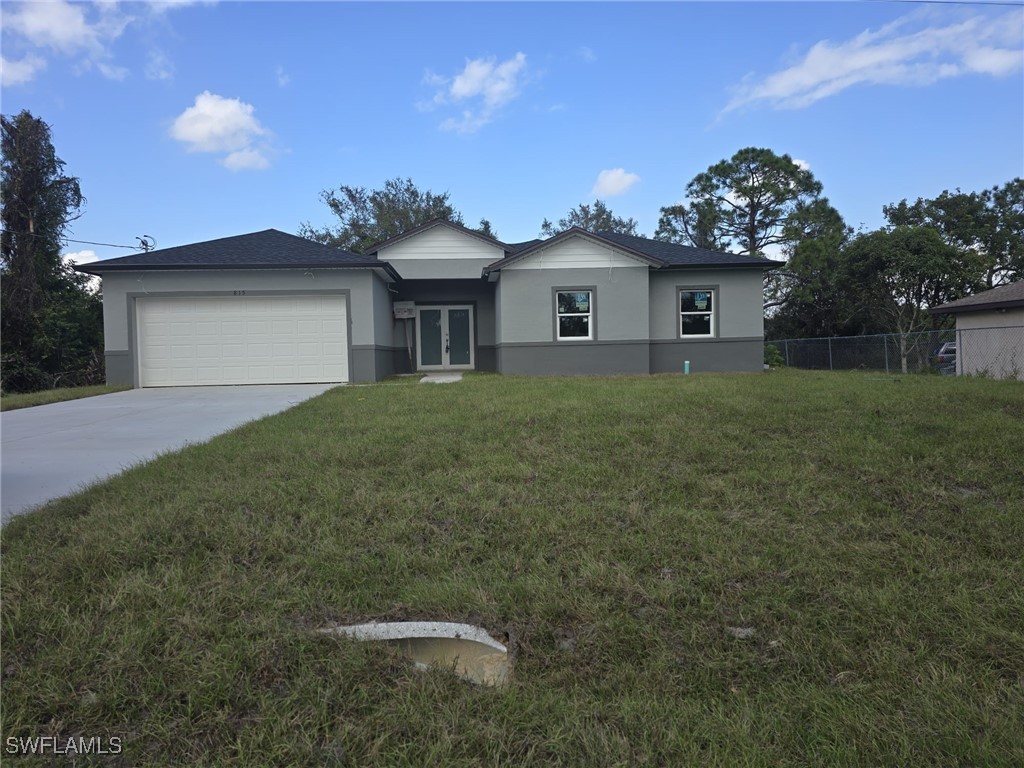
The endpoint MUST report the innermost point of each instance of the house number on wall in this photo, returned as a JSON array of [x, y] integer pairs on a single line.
[[239, 293]]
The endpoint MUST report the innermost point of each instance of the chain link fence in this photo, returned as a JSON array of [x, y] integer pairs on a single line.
[[996, 352]]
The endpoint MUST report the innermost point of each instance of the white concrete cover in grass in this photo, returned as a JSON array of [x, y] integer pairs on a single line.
[[462, 648], [441, 378]]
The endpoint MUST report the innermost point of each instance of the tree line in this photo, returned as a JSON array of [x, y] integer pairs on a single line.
[[834, 281]]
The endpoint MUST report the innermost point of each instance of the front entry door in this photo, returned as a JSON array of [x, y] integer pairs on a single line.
[[445, 338]]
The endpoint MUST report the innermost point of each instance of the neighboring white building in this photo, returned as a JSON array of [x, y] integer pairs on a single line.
[[990, 332]]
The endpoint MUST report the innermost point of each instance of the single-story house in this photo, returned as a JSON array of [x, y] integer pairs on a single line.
[[270, 307], [989, 331]]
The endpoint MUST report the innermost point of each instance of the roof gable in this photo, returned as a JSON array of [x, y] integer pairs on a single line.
[[579, 250], [441, 243], [536, 246], [656, 253], [430, 225], [678, 255]]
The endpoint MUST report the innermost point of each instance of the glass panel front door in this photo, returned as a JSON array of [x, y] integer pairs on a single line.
[[431, 335], [445, 338], [459, 348]]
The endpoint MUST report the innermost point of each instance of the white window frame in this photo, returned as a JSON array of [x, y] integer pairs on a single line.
[[559, 315], [680, 314]]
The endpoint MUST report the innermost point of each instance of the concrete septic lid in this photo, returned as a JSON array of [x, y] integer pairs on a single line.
[[441, 378], [467, 650]]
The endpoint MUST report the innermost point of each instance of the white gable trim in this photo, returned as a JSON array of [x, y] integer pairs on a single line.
[[578, 252], [441, 241]]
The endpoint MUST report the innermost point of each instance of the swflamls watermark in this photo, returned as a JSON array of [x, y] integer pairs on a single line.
[[60, 745]]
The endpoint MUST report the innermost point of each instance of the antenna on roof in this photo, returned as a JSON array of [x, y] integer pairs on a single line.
[[146, 243]]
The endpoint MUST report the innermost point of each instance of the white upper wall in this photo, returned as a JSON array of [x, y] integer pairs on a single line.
[[441, 242], [993, 318], [577, 252]]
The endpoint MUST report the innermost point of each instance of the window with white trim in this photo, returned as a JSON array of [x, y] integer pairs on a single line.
[[574, 318], [696, 313]]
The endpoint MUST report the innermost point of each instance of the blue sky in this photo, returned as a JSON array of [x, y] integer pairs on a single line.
[[190, 121]]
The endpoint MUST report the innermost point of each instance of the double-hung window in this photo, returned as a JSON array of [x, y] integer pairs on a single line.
[[574, 315], [696, 313]]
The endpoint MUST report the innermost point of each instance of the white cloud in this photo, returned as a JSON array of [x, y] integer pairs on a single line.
[[246, 160], [282, 78], [485, 84], [85, 32], [159, 66], [469, 122], [221, 125], [21, 71], [80, 257], [162, 6], [615, 181], [59, 26], [111, 72], [993, 61], [434, 80], [587, 54], [65, 28], [901, 53]]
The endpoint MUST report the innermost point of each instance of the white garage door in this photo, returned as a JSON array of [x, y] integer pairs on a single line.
[[242, 340]]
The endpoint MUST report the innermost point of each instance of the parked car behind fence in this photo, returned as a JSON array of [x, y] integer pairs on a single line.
[[996, 352], [945, 358]]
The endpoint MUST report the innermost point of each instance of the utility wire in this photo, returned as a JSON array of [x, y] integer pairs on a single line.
[[82, 242], [108, 245]]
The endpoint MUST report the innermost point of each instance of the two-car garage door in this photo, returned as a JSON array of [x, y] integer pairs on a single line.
[[242, 340]]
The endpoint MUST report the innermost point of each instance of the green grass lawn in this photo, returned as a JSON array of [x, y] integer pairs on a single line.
[[12, 402], [868, 529]]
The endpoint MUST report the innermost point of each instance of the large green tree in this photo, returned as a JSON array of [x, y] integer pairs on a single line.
[[50, 321], [696, 224], [899, 273], [1004, 241], [593, 218], [366, 217], [744, 204], [987, 226], [813, 297]]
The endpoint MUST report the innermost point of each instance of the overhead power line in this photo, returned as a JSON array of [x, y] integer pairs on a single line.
[[107, 245], [87, 242]]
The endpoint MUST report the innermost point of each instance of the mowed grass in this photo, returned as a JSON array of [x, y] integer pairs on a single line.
[[619, 531], [13, 401]]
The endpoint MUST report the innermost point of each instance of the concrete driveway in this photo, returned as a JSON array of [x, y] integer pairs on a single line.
[[52, 450]]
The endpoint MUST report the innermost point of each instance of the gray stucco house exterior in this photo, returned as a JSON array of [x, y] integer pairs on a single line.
[[270, 307]]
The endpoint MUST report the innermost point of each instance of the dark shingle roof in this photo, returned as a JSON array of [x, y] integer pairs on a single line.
[[1005, 296], [675, 255], [514, 248], [658, 254], [259, 250]]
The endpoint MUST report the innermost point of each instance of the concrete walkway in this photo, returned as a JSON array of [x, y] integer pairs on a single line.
[[441, 378], [52, 450]]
